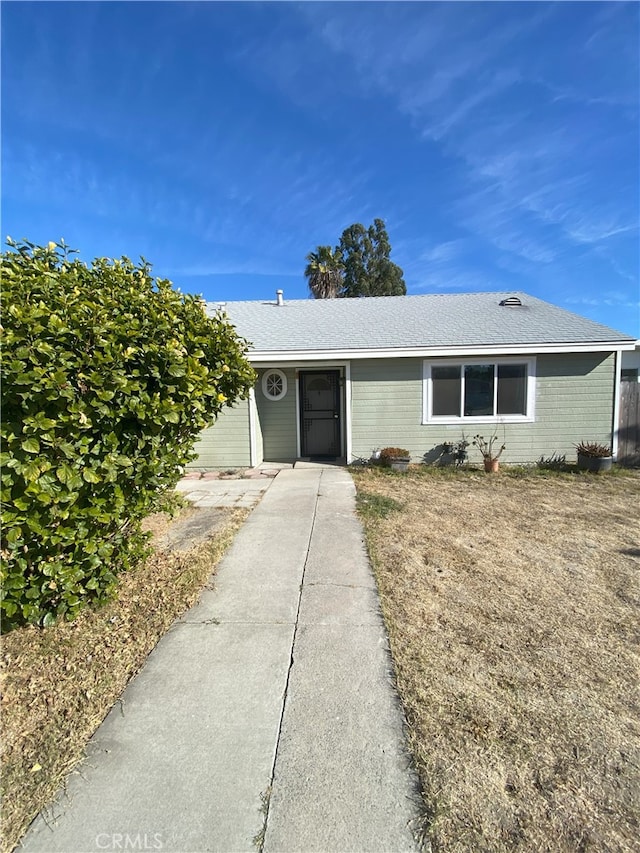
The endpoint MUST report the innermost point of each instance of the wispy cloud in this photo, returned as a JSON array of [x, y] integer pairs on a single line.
[[608, 301], [442, 252], [226, 268], [498, 141], [456, 279], [532, 159], [496, 85]]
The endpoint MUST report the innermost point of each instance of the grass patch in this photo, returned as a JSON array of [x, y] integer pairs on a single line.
[[374, 506], [60, 682], [512, 603]]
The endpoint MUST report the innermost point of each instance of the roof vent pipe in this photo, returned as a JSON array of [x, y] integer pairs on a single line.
[[279, 297]]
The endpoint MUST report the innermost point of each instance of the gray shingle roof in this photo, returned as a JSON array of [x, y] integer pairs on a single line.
[[421, 322]]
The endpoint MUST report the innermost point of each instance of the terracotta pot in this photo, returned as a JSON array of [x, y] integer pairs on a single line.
[[491, 466]]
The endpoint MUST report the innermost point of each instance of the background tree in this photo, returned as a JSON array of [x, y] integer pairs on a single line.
[[108, 377], [355, 247], [368, 269], [359, 265], [324, 271]]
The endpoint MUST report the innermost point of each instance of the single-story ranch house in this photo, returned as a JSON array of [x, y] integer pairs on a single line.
[[340, 378]]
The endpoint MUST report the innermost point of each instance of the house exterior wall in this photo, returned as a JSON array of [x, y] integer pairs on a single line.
[[386, 406], [574, 401], [278, 420], [226, 444]]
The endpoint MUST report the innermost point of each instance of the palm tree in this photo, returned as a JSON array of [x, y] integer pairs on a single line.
[[324, 271]]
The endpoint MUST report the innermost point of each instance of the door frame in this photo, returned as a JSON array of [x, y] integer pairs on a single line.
[[310, 372], [344, 371]]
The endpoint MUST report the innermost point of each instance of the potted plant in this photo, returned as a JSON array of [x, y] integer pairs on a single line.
[[490, 453], [457, 450], [395, 458], [594, 457]]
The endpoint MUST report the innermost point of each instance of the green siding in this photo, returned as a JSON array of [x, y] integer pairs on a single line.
[[278, 421], [386, 406], [575, 395], [226, 443], [574, 401]]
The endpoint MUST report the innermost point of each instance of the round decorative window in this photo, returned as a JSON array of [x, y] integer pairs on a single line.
[[274, 384]]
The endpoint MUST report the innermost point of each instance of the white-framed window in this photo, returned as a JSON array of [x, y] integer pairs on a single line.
[[274, 384], [479, 390]]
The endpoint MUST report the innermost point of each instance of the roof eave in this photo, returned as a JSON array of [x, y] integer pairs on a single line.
[[270, 356]]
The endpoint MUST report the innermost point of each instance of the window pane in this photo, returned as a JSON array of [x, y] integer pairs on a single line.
[[478, 389], [445, 382], [512, 389], [274, 384]]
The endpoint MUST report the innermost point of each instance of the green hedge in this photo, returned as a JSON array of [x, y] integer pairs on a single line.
[[108, 377]]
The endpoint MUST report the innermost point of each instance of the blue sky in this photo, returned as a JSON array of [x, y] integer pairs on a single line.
[[224, 141]]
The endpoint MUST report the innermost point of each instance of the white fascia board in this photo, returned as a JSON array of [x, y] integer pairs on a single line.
[[298, 362], [253, 445], [347, 405], [294, 357], [615, 428], [298, 436]]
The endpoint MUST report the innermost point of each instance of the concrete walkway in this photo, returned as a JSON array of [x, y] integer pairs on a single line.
[[266, 715], [230, 494]]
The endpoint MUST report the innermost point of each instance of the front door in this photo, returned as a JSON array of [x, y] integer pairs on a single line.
[[320, 413]]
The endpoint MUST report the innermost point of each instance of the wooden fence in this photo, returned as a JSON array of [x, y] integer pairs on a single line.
[[629, 430]]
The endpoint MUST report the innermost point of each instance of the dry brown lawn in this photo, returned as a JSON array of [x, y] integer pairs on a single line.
[[59, 683], [512, 603]]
